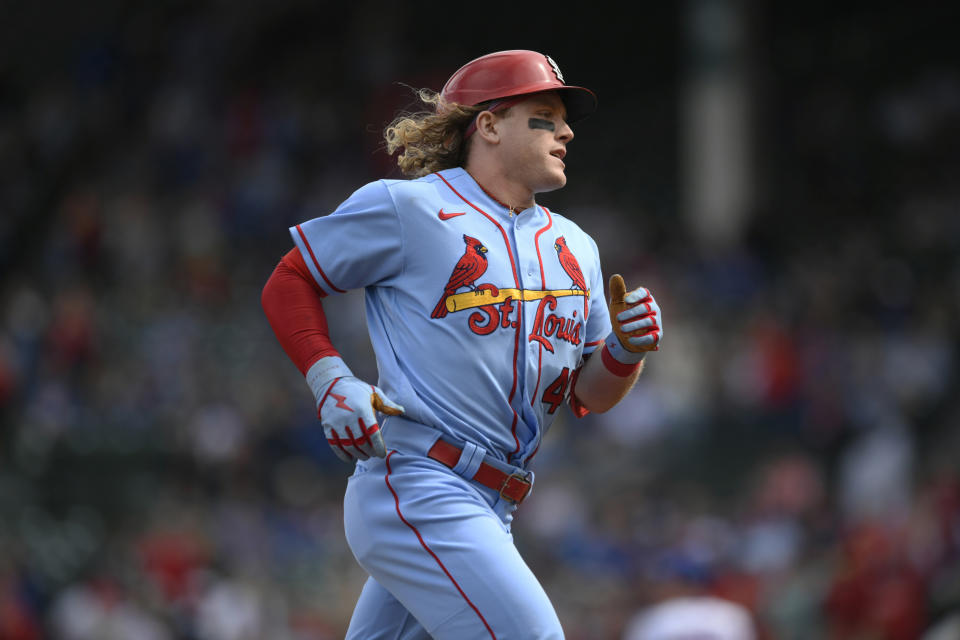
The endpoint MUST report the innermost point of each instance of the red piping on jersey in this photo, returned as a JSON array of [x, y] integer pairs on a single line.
[[527, 461], [536, 243], [506, 240], [543, 285], [533, 399], [315, 263], [516, 280], [513, 388], [396, 500]]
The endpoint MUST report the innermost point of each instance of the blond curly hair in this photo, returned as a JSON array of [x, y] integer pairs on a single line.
[[430, 140]]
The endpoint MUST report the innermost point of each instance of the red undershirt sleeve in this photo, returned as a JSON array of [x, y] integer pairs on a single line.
[[291, 302]]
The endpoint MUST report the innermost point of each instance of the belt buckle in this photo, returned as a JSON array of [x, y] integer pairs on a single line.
[[519, 477]]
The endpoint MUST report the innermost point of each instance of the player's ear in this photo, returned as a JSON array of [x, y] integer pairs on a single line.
[[487, 127]]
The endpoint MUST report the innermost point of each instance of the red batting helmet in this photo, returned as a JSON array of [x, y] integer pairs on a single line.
[[505, 74]]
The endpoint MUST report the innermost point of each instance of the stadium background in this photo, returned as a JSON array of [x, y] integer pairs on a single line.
[[783, 177]]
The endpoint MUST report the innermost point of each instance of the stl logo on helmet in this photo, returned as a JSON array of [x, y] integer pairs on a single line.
[[556, 68], [493, 307]]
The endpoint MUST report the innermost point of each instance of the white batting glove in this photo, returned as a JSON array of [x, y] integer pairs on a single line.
[[637, 322], [347, 409]]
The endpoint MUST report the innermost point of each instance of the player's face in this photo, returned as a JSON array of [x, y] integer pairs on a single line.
[[534, 141]]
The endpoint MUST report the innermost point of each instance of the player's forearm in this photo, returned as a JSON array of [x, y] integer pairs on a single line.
[[610, 373], [602, 384], [292, 305]]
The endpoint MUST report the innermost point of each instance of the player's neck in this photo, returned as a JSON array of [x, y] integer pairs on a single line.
[[501, 190]]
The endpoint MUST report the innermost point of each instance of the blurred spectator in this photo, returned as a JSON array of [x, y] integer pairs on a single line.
[[102, 610], [875, 592], [682, 605], [791, 451], [701, 617], [19, 617]]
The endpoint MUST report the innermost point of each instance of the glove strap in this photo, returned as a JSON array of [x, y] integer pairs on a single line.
[[618, 360], [323, 371]]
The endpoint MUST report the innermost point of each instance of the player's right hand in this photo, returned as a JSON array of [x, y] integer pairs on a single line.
[[347, 411]]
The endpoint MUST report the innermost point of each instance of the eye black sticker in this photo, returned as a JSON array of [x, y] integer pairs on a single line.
[[540, 123]]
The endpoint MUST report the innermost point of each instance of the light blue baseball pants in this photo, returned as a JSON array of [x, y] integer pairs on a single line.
[[440, 555]]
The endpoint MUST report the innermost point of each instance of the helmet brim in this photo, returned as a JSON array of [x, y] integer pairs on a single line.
[[580, 102]]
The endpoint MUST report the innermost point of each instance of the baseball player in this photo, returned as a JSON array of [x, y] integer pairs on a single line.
[[486, 313]]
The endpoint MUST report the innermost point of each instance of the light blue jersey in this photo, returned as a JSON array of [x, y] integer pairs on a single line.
[[478, 317]]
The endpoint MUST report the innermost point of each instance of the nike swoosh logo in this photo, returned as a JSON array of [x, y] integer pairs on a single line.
[[447, 216]]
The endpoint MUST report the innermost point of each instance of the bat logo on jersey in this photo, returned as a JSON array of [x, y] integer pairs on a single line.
[[496, 308], [472, 265]]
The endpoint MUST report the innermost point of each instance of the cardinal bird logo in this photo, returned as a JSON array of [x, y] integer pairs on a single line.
[[569, 263], [471, 266]]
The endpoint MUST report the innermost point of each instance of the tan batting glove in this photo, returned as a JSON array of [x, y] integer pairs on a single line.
[[635, 317]]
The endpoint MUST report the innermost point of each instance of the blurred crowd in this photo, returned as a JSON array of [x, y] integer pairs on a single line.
[[792, 449]]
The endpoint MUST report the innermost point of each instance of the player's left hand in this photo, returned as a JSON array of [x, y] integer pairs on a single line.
[[635, 317]]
